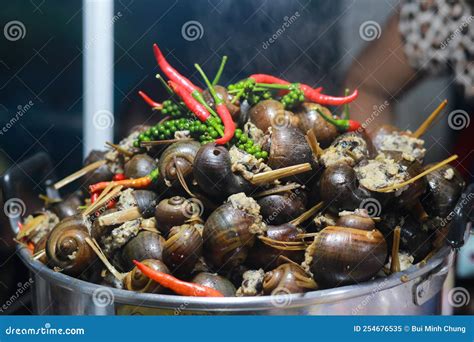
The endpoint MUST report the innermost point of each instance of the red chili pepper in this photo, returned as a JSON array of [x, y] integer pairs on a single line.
[[171, 72], [180, 287], [311, 94], [222, 111], [193, 105], [94, 196], [119, 176], [137, 183], [330, 100], [110, 204], [341, 124], [149, 101]]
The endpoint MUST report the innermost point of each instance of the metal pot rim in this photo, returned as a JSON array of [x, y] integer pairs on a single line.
[[237, 303]]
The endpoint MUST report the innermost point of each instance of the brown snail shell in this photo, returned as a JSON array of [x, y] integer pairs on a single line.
[[135, 280], [266, 257], [339, 187], [443, 190], [171, 212], [66, 247], [270, 113], [310, 119], [227, 237], [287, 278], [68, 206], [139, 165], [146, 201], [342, 255], [288, 146], [282, 207], [145, 245], [180, 155], [182, 249], [100, 174], [358, 221], [214, 281], [213, 173]]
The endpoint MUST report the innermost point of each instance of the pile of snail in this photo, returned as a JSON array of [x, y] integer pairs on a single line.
[[321, 208]]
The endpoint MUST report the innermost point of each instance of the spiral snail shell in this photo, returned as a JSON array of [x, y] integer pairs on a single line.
[[135, 280], [182, 249], [66, 247], [287, 278]]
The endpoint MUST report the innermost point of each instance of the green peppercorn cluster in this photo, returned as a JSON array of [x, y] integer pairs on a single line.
[[243, 142], [210, 134], [175, 110], [293, 98], [166, 130]]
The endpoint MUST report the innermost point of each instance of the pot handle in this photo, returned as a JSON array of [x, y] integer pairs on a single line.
[[22, 183], [461, 219]]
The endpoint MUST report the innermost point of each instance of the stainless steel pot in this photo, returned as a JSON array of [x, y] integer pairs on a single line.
[[416, 291]]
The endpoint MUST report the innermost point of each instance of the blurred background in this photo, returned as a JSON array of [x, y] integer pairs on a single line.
[[323, 42]]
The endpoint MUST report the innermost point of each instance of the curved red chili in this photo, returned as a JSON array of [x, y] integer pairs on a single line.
[[172, 73], [136, 183], [341, 124], [180, 287], [153, 104], [193, 105], [330, 100], [222, 111]]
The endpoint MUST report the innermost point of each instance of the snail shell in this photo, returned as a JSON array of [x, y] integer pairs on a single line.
[[343, 255], [266, 257], [171, 212], [227, 237], [68, 206], [100, 174], [135, 280], [213, 173], [282, 207], [145, 245], [287, 278], [180, 155], [182, 249], [358, 221], [445, 185], [139, 165], [339, 186], [270, 113], [288, 146], [66, 247], [146, 201], [217, 282], [309, 118]]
